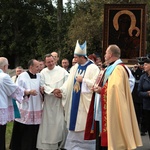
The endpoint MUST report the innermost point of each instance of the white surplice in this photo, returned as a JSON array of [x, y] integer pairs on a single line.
[[8, 90], [30, 110]]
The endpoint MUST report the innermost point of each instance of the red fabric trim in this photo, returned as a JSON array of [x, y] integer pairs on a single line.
[[125, 69], [104, 115], [90, 133]]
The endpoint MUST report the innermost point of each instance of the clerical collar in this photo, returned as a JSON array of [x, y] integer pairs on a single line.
[[85, 63], [111, 63], [32, 76]]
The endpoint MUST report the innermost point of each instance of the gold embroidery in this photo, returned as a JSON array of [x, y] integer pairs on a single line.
[[105, 108], [77, 87]]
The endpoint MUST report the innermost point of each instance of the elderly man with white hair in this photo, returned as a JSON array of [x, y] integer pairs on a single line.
[[8, 91]]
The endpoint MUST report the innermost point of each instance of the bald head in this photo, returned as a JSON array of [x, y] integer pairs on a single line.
[[112, 53], [115, 50], [56, 57]]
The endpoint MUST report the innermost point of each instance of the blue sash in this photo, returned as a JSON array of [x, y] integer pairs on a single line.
[[110, 69], [76, 96]]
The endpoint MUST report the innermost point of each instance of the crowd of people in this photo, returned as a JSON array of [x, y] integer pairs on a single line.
[[92, 105]]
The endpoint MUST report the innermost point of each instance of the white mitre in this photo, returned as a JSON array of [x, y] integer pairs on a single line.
[[80, 50]]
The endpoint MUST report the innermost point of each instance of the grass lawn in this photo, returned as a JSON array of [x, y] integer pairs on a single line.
[[8, 134]]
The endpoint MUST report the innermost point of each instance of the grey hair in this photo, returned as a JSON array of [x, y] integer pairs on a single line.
[[19, 67], [3, 62]]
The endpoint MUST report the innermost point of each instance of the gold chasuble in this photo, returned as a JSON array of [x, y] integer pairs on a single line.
[[120, 130]]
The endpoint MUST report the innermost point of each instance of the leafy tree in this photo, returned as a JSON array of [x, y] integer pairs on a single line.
[[32, 28], [26, 28], [87, 25]]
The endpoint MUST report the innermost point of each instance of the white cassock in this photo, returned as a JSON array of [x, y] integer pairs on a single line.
[[52, 128], [75, 139]]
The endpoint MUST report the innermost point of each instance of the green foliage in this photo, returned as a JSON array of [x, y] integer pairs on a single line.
[[25, 30], [32, 28], [87, 25]]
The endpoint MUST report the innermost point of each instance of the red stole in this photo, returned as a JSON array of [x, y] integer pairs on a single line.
[[90, 133], [90, 129]]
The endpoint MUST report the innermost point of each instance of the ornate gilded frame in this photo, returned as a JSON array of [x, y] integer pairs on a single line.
[[132, 16]]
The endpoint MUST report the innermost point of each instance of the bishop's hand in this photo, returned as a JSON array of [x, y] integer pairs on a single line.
[[57, 93]]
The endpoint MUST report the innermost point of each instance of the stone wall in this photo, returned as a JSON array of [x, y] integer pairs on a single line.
[[11, 72]]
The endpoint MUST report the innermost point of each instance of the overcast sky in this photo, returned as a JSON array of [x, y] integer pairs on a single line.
[[65, 1]]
